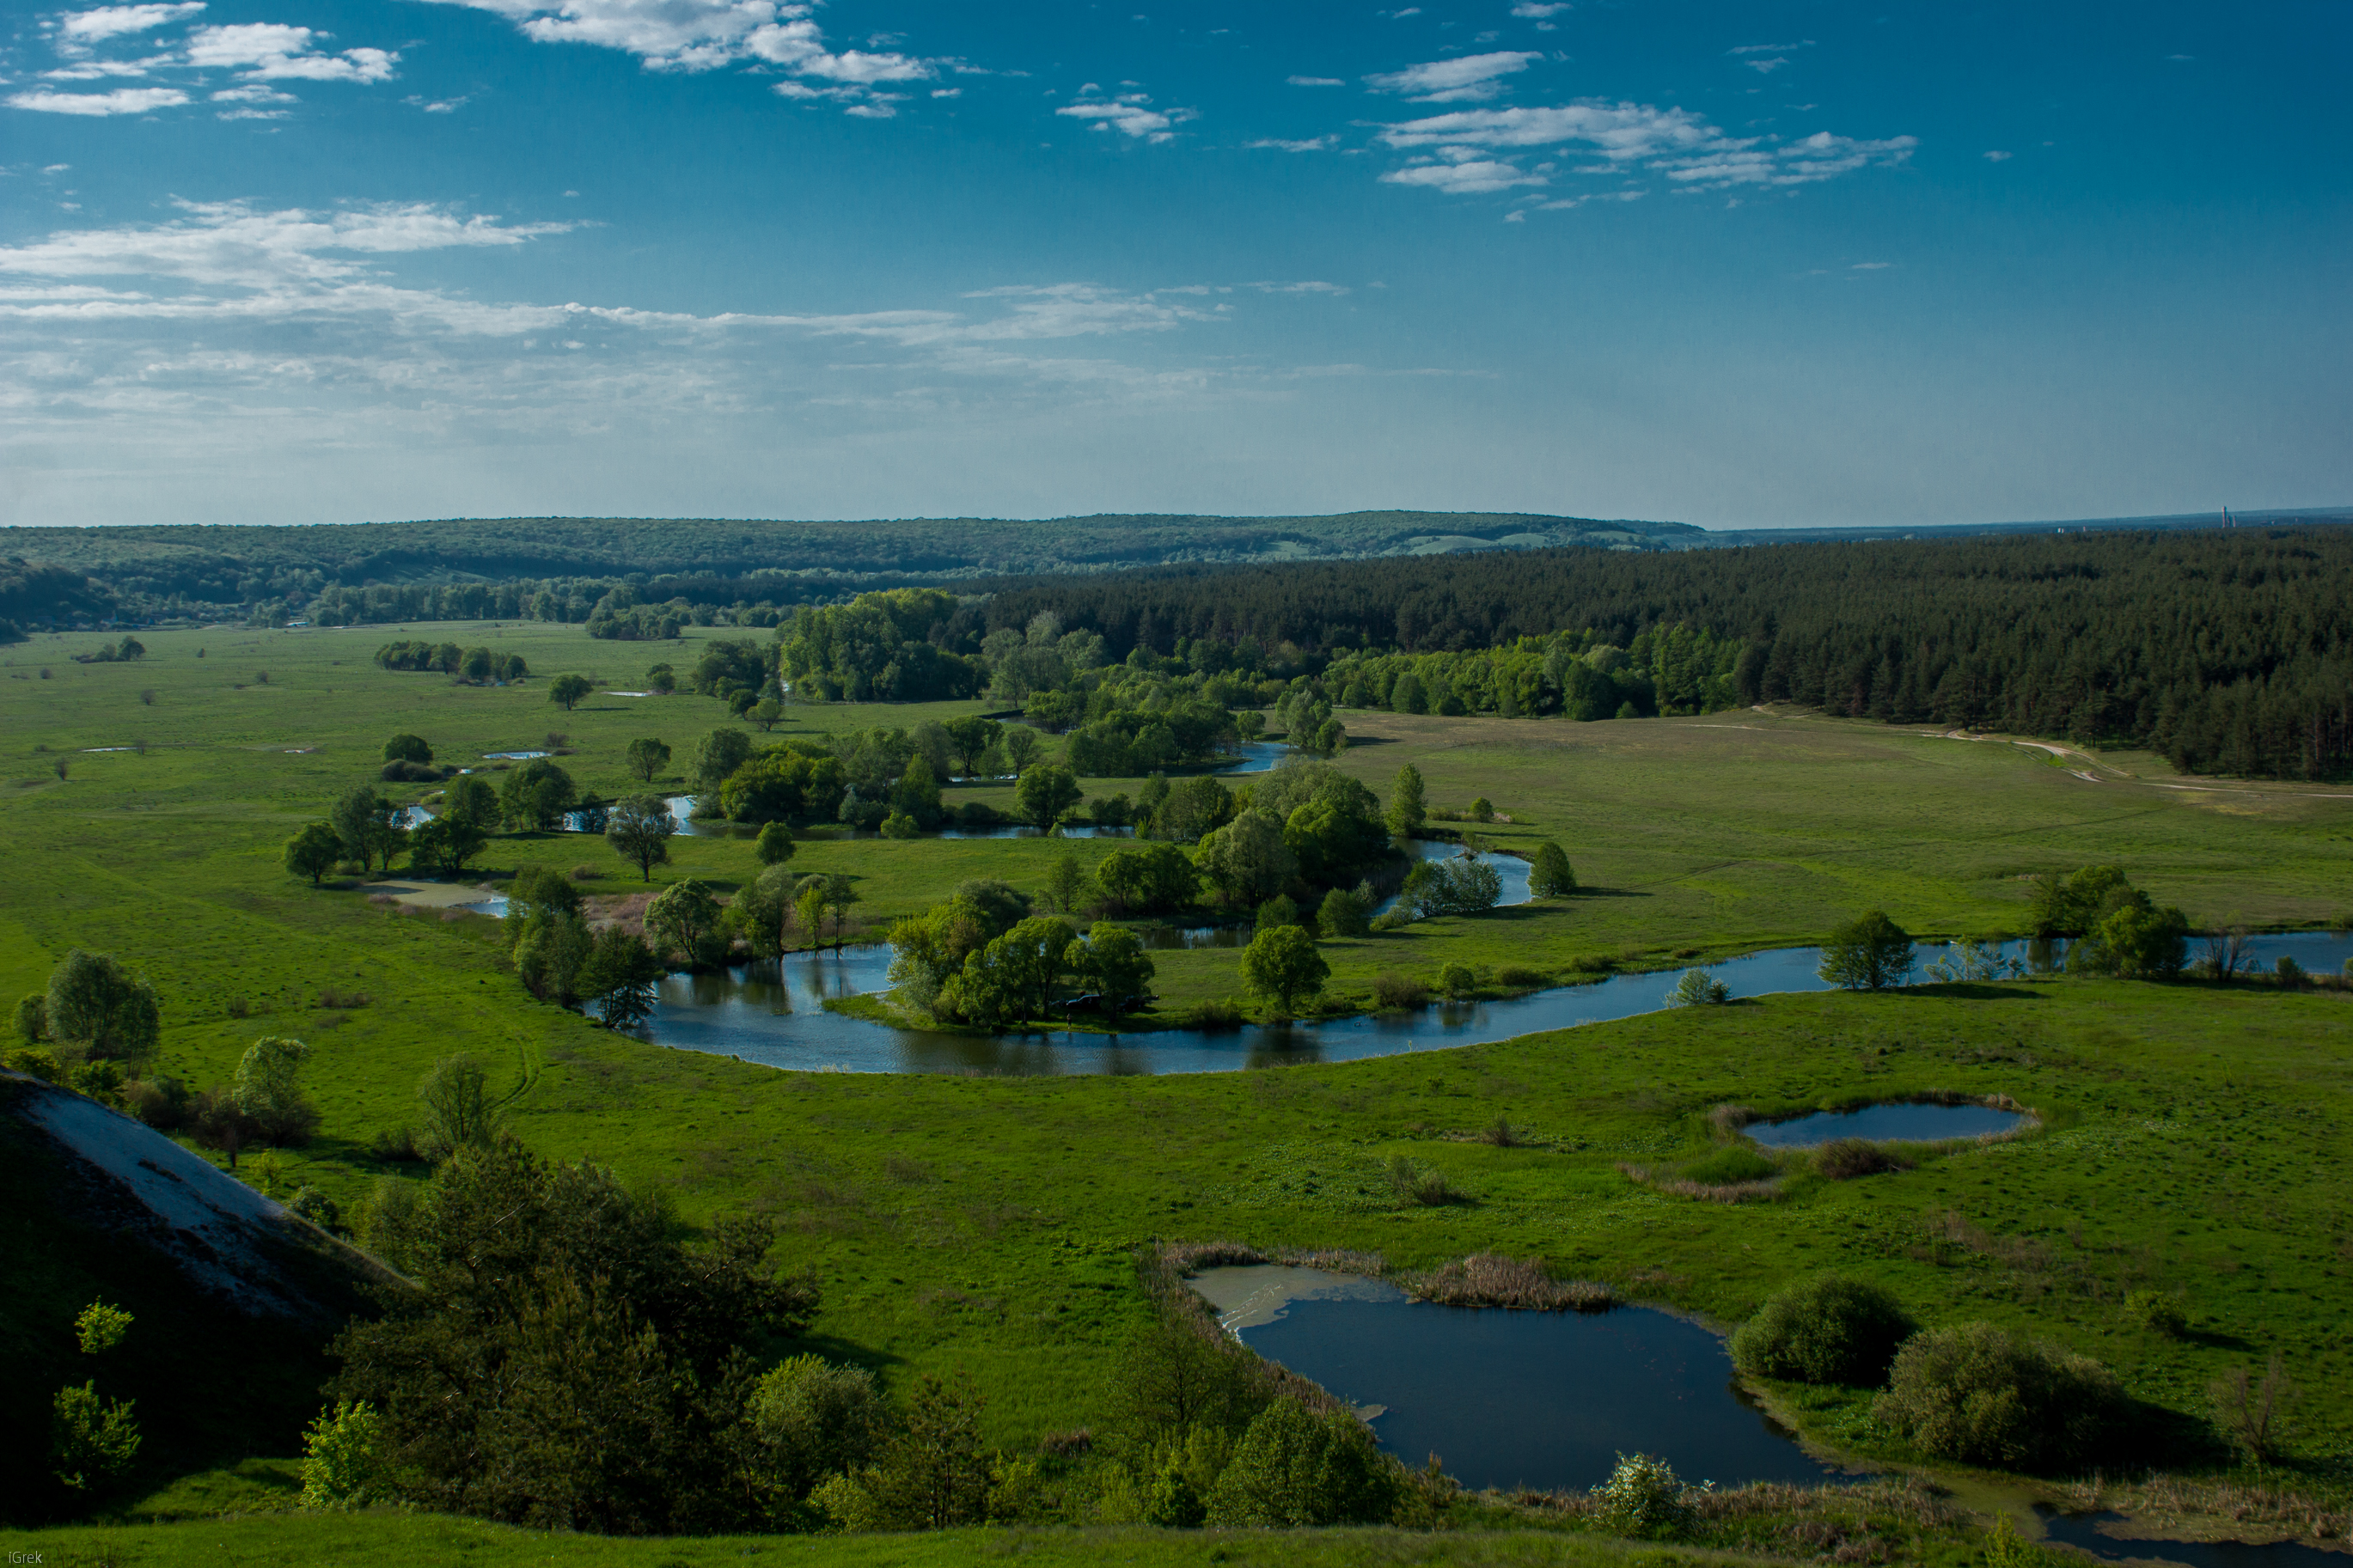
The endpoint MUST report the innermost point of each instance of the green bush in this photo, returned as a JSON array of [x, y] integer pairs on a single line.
[[1456, 981], [1292, 1470], [2158, 1312], [1830, 1330], [1644, 1498], [1986, 1397]]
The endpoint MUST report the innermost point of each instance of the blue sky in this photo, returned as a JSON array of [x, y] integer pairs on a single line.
[[1745, 266]]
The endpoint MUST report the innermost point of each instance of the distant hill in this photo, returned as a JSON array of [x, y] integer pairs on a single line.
[[65, 576]]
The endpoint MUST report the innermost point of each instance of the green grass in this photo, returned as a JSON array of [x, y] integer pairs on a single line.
[[2196, 1139], [362, 1540]]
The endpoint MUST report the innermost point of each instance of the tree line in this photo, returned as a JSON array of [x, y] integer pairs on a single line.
[[2226, 650]]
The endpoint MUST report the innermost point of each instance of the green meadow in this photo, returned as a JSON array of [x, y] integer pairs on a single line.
[[2193, 1139]]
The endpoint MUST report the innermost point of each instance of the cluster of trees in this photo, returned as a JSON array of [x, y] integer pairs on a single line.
[[983, 958], [477, 666], [900, 644], [2229, 650], [129, 650]]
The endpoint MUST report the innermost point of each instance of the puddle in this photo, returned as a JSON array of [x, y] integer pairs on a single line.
[[2091, 1532], [438, 895], [1902, 1122], [1513, 1399], [515, 756]]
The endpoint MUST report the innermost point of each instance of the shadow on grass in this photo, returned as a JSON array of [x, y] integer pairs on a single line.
[[1974, 991]]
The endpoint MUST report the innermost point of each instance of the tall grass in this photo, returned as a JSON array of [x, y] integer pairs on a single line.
[[1491, 1279]]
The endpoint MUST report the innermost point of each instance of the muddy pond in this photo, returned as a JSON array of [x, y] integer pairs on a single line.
[[1511, 1399], [1898, 1123]]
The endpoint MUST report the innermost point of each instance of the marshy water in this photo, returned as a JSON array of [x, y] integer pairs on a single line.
[[737, 1011], [1899, 1123], [2090, 1532], [1511, 1399]]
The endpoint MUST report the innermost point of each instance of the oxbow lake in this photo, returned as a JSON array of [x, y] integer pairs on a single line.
[[1511, 1399]]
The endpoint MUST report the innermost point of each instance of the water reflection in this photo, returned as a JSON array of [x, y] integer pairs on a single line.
[[1542, 1400], [1904, 1124], [2085, 1532]]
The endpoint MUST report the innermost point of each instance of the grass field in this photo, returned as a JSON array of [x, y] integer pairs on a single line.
[[2195, 1139]]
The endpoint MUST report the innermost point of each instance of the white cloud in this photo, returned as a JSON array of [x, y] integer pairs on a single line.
[[122, 101], [273, 51], [90, 68], [1674, 143], [1769, 49], [1472, 176], [1872, 265], [84, 27], [1312, 145], [1536, 10], [1767, 66], [704, 35], [1130, 115], [1315, 81], [1999, 157], [1472, 78], [1310, 287]]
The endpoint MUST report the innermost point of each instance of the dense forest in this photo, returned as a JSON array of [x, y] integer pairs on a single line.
[[2229, 652], [561, 568]]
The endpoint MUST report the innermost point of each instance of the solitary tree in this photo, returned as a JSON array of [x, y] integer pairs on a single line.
[[1343, 914], [568, 689], [809, 906], [647, 759], [684, 918], [1549, 876], [94, 1002], [1867, 955], [270, 1089], [762, 910], [620, 979], [640, 831], [408, 749], [1048, 792], [443, 845], [313, 852], [1066, 884], [1284, 966], [775, 845], [839, 894], [1407, 810], [456, 1100]]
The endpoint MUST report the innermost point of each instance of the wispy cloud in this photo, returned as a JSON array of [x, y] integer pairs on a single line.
[[1674, 143], [1471, 79], [122, 101], [1311, 145], [1538, 10], [1315, 81], [1130, 114]]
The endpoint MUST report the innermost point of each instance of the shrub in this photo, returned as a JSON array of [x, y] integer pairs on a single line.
[[1456, 981], [1697, 988], [816, 1419], [2288, 971], [1644, 1498], [1519, 978], [1216, 1014], [2254, 1415], [2157, 1312], [160, 1102], [1549, 874], [1291, 1469], [1845, 1159], [342, 1455], [1428, 1188], [1730, 1167], [1983, 1396], [1830, 1330], [92, 1441], [1343, 914]]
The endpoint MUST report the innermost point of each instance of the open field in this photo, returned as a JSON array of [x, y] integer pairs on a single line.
[[2196, 1138]]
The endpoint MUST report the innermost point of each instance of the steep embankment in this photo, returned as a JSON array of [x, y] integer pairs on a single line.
[[232, 1297]]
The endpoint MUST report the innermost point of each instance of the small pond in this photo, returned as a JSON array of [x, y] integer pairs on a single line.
[[1902, 1122], [1513, 1399], [2090, 1532], [1256, 757], [515, 756]]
